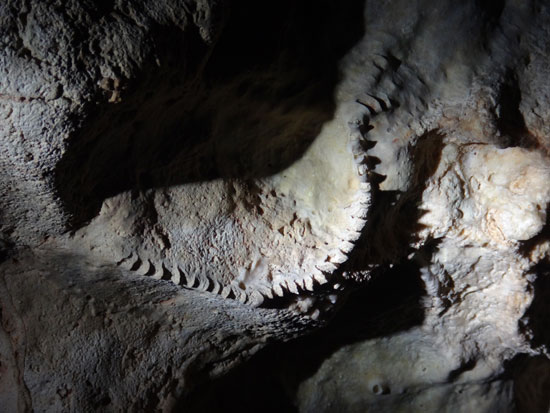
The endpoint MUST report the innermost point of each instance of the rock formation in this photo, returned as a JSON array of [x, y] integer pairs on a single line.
[[185, 183]]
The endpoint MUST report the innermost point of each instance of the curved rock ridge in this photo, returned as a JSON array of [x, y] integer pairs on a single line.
[[259, 238]]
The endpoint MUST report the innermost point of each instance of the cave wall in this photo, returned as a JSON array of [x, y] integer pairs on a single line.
[[187, 182]]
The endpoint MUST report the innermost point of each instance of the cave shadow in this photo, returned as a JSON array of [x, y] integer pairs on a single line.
[[394, 219], [390, 303], [247, 108], [531, 373], [509, 120], [536, 320]]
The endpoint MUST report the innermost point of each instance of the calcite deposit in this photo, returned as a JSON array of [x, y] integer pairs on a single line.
[[246, 239], [185, 183]]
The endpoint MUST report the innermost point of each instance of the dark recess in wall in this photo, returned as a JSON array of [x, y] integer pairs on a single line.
[[390, 304], [510, 121], [247, 108], [492, 8]]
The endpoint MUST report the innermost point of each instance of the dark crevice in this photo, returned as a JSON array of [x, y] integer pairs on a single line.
[[510, 122], [536, 320], [464, 367], [531, 378], [393, 220], [492, 9], [390, 304]]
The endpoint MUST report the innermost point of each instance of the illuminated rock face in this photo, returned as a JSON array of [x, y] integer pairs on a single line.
[[177, 191], [464, 150], [478, 286], [280, 235]]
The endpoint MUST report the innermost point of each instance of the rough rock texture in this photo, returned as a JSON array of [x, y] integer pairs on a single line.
[[186, 181], [136, 142], [474, 163], [477, 288], [62, 64], [118, 344]]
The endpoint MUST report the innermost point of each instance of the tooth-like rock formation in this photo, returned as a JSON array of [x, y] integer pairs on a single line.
[[247, 239], [184, 182]]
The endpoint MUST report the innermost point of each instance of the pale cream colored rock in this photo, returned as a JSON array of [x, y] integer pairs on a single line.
[[433, 156], [480, 202], [256, 235], [483, 196]]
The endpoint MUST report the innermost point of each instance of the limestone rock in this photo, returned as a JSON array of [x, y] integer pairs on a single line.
[[185, 182]]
